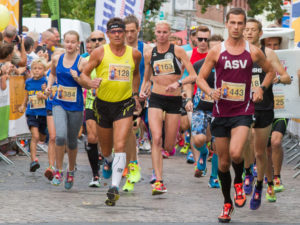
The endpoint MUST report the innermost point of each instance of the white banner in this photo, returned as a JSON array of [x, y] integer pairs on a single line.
[[106, 9], [287, 97]]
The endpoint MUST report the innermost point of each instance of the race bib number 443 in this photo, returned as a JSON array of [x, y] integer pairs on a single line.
[[233, 91], [67, 94], [36, 103], [119, 72], [163, 66]]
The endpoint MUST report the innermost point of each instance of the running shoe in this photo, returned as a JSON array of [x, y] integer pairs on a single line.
[[201, 164], [248, 184], [125, 172], [213, 182], [158, 188], [49, 173], [34, 165], [255, 201], [134, 175], [112, 196], [239, 196], [270, 194], [128, 186], [226, 213], [95, 182], [107, 171], [69, 180], [172, 152], [278, 186], [153, 177], [200, 173], [190, 158], [254, 170], [181, 141], [184, 150], [58, 178], [165, 154]]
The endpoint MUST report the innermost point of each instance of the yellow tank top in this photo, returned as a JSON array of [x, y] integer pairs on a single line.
[[116, 73]]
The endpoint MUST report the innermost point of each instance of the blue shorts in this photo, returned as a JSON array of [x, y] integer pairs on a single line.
[[200, 120], [37, 121]]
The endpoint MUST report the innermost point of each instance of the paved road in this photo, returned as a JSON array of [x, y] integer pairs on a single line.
[[28, 198]]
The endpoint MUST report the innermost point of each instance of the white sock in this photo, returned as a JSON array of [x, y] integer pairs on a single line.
[[109, 159], [117, 168]]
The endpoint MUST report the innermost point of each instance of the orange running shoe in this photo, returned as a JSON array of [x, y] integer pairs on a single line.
[[239, 196], [125, 172], [225, 216]]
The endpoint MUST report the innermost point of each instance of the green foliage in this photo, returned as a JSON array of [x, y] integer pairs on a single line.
[[148, 30], [273, 7], [152, 5]]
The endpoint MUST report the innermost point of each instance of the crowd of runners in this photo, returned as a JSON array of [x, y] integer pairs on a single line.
[[210, 99]]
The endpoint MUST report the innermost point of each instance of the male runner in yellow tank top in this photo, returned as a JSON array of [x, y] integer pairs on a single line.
[[118, 79]]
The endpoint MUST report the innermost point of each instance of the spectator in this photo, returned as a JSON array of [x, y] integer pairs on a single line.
[[29, 45], [25, 29], [54, 31], [10, 36], [48, 42], [35, 36], [6, 51]]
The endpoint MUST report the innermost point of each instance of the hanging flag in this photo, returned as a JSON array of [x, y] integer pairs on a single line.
[[295, 20], [106, 9], [13, 8], [55, 13]]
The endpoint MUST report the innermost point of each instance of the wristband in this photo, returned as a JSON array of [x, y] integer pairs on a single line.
[[188, 99]]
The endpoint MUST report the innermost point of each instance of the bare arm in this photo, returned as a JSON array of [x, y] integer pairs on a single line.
[[23, 60], [273, 58], [136, 73], [145, 88], [81, 66], [95, 60]]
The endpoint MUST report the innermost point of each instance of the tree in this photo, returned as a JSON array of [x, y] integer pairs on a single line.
[[273, 7], [152, 5]]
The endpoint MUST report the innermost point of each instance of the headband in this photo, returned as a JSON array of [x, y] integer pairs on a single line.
[[116, 25]]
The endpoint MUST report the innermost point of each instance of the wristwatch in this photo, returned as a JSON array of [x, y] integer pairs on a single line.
[[188, 99], [263, 88], [278, 77], [180, 83]]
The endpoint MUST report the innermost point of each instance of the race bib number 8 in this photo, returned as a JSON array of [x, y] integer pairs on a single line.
[[233, 91], [163, 66], [278, 101], [119, 72], [67, 94], [255, 81], [36, 103]]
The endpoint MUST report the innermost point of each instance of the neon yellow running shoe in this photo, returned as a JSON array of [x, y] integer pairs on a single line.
[[134, 175], [270, 195], [278, 186], [128, 187], [184, 150]]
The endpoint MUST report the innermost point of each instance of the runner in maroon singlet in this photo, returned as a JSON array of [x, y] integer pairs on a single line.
[[234, 102]]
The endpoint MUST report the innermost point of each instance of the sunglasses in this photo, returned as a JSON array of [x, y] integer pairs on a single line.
[[202, 39], [116, 31], [97, 39]]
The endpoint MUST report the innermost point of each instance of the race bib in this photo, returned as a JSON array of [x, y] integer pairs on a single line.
[[53, 92], [119, 72], [163, 66], [206, 98], [233, 91], [278, 101], [255, 81], [36, 103], [67, 94]]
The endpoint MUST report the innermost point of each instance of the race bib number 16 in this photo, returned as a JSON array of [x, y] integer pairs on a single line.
[[233, 91]]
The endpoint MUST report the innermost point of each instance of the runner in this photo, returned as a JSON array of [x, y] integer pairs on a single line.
[[118, 82], [279, 125], [132, 30], [35, 106], [202, 109], [97, 39], [67, 106], [264, 115], [164, 63], [233, 107]]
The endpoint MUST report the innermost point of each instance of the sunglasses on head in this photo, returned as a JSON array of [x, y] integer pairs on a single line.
[[95, 39], [202, 39]]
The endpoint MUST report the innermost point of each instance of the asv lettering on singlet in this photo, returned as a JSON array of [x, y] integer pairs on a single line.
[[67, 94], [255, 82], [119, 72], [235, 64], [36, 103], [163, 66], [233, 91]]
